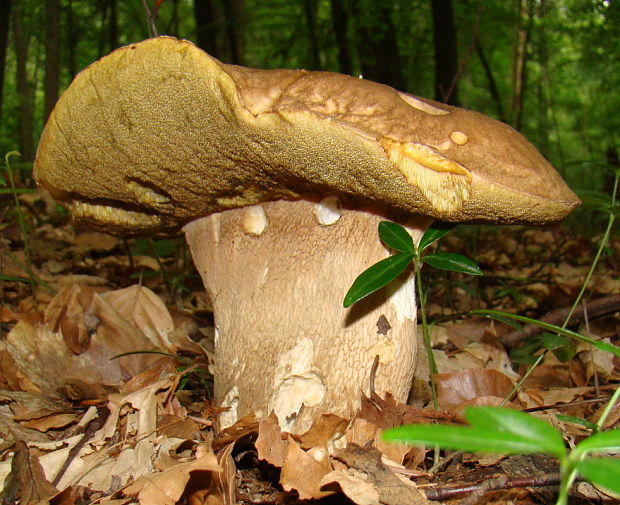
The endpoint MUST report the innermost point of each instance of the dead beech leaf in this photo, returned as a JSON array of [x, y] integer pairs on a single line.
[[41, 355], [302, 473], [245, 426], [354, 485], [52, 421], [99, 468], [392, 489], [167, 487], [87, 241], [269, 444], [116, 335], [226, 480], [595, 360], [366, 434], [456, 388], [67, 313], [10, 375], [172, 426], [26, 483], [324, 428], [165, 366], [143, 308]]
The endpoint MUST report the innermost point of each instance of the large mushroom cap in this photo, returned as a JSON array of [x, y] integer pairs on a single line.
[[158, 133]]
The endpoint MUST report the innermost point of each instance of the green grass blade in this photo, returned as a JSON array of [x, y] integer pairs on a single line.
[[599, 344], [377, 276]]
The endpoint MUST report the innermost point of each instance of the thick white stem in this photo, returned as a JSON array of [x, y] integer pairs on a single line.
[[277, 274]]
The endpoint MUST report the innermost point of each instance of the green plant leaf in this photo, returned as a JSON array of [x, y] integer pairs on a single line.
[[602, 441], [526, 353], [377, 276], [460, 438], [501, 316], [433, 234], [604, 472], [453, 262], [563, 347], [517, 425], [495, 430], [396, 237], [551, 341], [576, 420]]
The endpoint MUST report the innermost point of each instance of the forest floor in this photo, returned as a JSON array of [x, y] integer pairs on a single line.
[[78, 424]]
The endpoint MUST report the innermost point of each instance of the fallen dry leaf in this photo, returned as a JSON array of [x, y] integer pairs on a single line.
[[365, 467], [455, 390], [26, 484], [144, 310], [166, 488], [303, 473], [269, 445]]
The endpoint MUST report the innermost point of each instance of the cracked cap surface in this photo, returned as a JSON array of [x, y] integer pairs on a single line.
[[158, 133]]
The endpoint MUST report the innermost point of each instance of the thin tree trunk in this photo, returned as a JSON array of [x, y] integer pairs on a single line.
[[72, 40], [26, 120], [103, 34], [234, 11], [206, 27], [51, 82], [491, 80], [113, 25], [544, 82], [174, 19], [519, 62], [310, 13], [340, 22], [5, 12], [376, 43], [446, 52]]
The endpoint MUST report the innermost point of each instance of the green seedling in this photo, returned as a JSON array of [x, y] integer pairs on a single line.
[[398, 239], [507, 431], [408, 253]]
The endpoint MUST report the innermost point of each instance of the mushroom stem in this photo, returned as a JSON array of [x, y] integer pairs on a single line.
[[276, 274]]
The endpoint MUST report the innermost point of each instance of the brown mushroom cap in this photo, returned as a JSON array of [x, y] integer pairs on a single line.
[[158, 133]]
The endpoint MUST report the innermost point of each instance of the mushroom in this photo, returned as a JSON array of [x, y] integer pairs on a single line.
[[279, 179]]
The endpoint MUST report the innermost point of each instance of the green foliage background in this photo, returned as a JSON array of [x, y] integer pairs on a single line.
[[570, 107]]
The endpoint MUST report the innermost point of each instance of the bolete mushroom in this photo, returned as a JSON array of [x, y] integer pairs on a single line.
[[279, 178]]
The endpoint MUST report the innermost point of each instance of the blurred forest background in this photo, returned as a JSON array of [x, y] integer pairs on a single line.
[[550, 68]]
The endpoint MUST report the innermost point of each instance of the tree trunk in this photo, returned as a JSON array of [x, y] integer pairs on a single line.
[[519, 61], [26, 144], [234, 12], [5, 11], [206, 27], [174, 20], [376, 42], [51, 83], [340, 22], [72, 40], [113, 24], [446, 52], [491, 80], [310, 13], [543, 82]]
